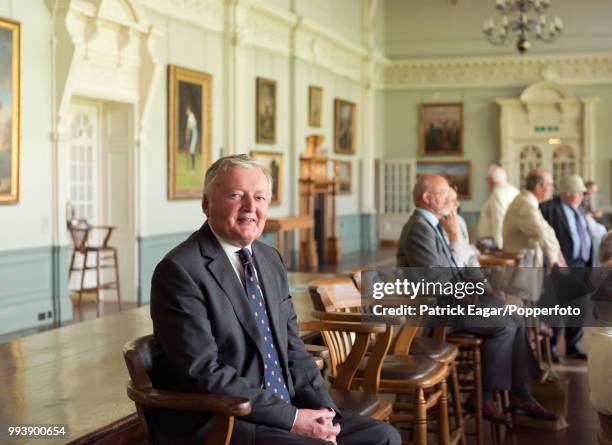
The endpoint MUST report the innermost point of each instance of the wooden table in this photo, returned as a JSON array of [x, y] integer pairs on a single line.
[[308, 249], [76, 375]]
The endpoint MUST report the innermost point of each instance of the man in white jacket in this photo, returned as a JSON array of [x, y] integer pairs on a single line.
[[492, 214]]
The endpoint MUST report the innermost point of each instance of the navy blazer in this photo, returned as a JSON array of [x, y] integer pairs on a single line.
[[212, 344], [553, 213]]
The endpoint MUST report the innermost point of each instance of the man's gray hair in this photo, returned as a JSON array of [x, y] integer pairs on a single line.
[[497, 174], [222, 165], [605, 248]]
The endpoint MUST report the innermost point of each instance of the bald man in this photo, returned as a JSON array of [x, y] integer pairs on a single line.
[[524, 225]]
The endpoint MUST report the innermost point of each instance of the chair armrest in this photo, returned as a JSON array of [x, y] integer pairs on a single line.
[[319, 354], [359, 317], [211, 403], [109, 232], [358, 328], [318, 351]]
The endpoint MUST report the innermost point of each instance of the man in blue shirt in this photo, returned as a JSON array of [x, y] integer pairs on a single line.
[[567, 218]]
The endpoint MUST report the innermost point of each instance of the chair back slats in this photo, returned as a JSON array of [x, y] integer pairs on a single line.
[[79, 232], [371, 375], [336, 294], [404, 338], [348, 368]]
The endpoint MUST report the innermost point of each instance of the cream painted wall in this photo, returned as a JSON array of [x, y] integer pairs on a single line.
[[28, 223], [189, 46], [334, 87], [342, 16], [445, 28], [192, 47], [183, 43]]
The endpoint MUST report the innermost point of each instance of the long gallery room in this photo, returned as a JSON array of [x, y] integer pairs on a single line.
[[346, 222]]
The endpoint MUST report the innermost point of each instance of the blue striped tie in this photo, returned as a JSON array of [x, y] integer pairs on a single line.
[[273, 374]]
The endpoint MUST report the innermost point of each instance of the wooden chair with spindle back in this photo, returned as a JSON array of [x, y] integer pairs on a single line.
[[435, 347], [346, 357], [420, 378], [105, 258], [139, 356]]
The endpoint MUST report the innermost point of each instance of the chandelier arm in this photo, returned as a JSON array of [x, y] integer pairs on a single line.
[[519, 24]]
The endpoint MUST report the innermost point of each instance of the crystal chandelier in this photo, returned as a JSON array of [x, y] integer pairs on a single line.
[[522, 21]]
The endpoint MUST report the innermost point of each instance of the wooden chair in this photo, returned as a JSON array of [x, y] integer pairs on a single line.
[[434, 347], [80, 231], [349, 358], [139, 356], [419, 378]]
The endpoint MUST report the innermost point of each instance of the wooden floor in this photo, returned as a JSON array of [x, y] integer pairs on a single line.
[[76, 375]]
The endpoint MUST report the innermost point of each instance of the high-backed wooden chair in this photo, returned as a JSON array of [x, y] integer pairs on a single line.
[[80, 231], [419, 378], [139, 356], [345, 359]]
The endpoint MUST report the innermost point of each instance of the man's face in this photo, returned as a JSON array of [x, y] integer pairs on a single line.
[[592, 189], [238, 204], [573, 199], [490, 183], [544, 192], [437, 199]]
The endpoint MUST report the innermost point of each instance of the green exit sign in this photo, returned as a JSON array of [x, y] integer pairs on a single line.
[[546, 128]]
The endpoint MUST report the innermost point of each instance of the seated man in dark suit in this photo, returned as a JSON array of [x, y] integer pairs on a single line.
[[223, 316], [568, 219], [508, 362]]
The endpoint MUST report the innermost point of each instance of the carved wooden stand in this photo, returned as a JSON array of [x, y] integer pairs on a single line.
[[315, 181]]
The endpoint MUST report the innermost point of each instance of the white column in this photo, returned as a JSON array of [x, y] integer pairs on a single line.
[[367, 110], [588, 137], [236, 84]]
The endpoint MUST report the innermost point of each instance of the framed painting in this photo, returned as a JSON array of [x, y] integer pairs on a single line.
[[315, 106], [189, 131], [457, 173], [10, 98], [344, 125], [344, 175], [274, 163], [266, 111], [441, 129]]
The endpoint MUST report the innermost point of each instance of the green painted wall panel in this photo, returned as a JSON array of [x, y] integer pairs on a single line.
[[150, 251], [33, 281]]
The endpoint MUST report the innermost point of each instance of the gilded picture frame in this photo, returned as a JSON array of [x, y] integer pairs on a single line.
[[441, 129], [344, 126], [344, 173], [265, 111], [189, 131], [457, 173], [275, 163], [315, 106], [10, 110]]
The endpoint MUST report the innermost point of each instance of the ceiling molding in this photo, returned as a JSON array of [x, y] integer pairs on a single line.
[[566, 69]]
